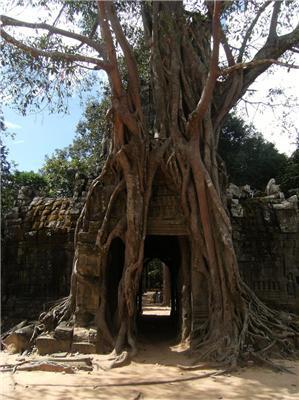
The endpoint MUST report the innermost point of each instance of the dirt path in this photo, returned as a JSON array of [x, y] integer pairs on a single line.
[[135, 381], [156, 361]]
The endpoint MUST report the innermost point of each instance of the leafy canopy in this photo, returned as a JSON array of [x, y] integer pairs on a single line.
[[249, 158], [85, 155], [64, 50]]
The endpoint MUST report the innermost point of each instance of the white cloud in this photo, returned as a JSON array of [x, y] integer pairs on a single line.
[[18, 142], [11, 125], [278, 124]]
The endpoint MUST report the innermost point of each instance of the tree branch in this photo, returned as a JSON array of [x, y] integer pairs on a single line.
[[255, 63], [272, 52], [55, 55], [227, 49], [8, 21], [58, 16], [119, 102], [91, 34], [133, 75], [207, 93], [250, 29], [114, 75], [147, 21], [273, 24], [158, 76]]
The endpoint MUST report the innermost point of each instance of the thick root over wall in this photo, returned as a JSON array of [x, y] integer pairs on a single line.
[[259, 334], [239, 329], [189, 103]]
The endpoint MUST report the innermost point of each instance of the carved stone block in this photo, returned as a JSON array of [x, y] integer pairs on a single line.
[[83, 348], [87, 264], [47, 344], [63, 332]]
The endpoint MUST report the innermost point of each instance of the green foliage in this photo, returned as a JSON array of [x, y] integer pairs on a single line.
[[155, 274], [290, 177], [85, 155], [48, 82], [92, 136], [7, 193], [59, 171], [12, 181], [249, 158], [31, 179], [5, 170]]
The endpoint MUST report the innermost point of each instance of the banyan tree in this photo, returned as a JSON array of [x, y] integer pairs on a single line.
[[162, 186]]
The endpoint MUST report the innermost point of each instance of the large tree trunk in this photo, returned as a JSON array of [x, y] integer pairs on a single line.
[[184, 147]]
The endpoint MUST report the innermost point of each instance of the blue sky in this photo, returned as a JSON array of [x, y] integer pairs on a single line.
[[39, 134]]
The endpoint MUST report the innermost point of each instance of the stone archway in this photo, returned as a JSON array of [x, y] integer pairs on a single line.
[[173, 252]]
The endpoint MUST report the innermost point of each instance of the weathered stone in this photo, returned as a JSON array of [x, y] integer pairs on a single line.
[[48, 201], [246, 191], [74, 211], [285, 205], [63, 332], [36, 200], [92, 335], [80, 334], [37, 267], [87, 264], [233, 191], [30, 234], [36, 226], [287, 219], [272, 189], [293, 199], [88, 295], [56, 204], [47, 344], [83, 348], [51, 224], [86, 237], [16, 342], [13, 214], [236, 209]]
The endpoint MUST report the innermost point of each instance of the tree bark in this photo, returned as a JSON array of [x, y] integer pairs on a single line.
[[188, 115]]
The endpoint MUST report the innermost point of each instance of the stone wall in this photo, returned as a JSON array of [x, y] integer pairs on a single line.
[[38, 251], [37, 254], [266, 239]]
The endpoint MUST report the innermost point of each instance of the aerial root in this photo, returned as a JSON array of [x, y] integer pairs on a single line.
[[268, 363], [195, 367], [120, 360], [61, 311], [258, 334]]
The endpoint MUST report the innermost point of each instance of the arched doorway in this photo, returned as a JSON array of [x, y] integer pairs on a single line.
[[160, 298], [155, 285]]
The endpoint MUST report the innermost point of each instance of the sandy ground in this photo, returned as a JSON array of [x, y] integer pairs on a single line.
[[156, 362], [135, 381]]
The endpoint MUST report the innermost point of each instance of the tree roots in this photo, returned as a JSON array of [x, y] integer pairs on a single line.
[[256, 335]]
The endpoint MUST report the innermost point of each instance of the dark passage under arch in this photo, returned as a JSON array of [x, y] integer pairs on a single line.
[[153, 327]]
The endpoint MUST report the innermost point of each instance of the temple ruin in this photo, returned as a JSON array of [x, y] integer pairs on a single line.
[[39, 250]]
